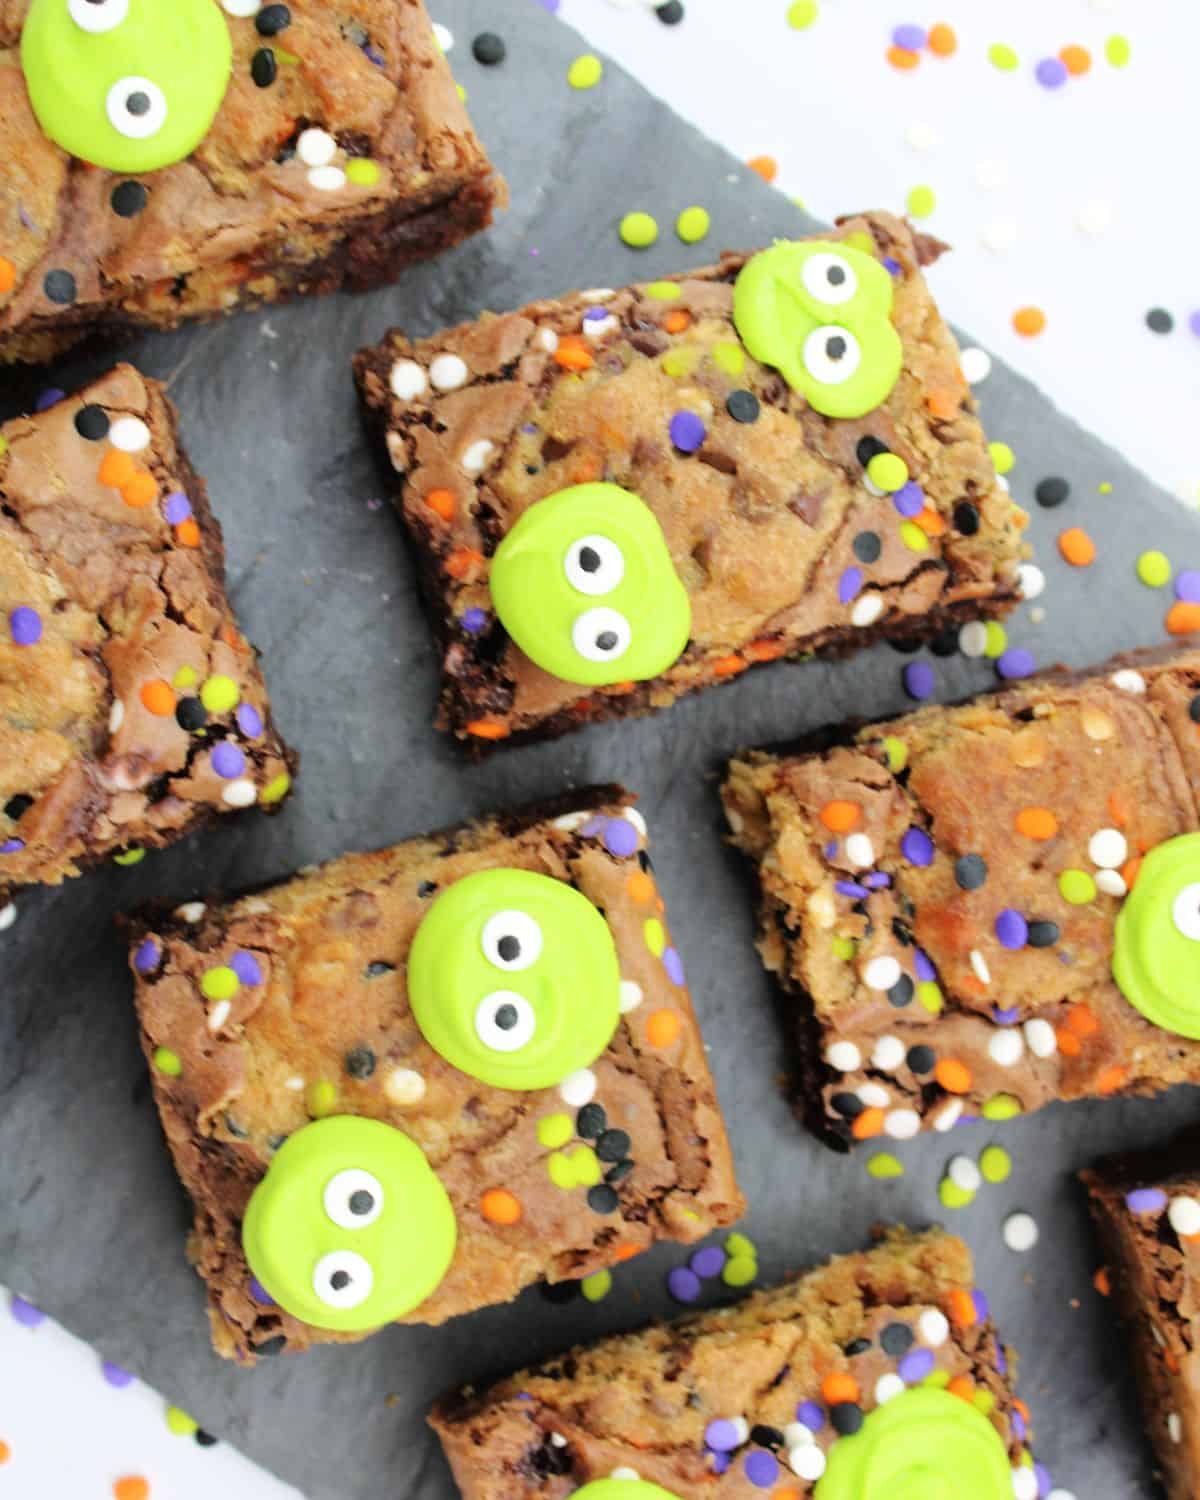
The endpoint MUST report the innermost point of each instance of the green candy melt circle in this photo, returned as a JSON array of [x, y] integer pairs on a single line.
[[622, 1489], [922, 1445], [128, 85], [513, 979], [350, 1228], [585, 586], [1156, 946], [820, 313]]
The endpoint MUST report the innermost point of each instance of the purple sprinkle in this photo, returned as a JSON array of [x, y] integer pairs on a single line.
[[909, 37], [919, 681], [592, 828], [721, 1435], [1006, 1015], [177, 508], [26, 626], [1043, 1479], [260, 1294], [550, 5], [249, 720], [762, 1468], [877, 880], [51, 396], [982, 1306], [595, 315], [115, 1375], [915, 1366], [811, 1415], [720, 1462], [831, 849], [683, 1285], [673, 965], [892, 265], [529, 428], [12, 846], [26, 218], [524, 1396], [1149, 1200], [1016, 662], [1051, 73], [25, 1313], [473, 620], [917, 847], [923, 966], [1187, 586], [620, 837], [710, 1261], [246, 967], [227, 760], [1012, 929], [849, 585], [1194, 323], [852, 889], [1018, 1423], [687, 431], [1001, 1360], [909, 499], [373, 55], [148, 956]]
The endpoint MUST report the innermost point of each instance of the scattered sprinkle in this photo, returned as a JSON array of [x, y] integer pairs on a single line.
[[1002, 56], [1029, 321], [1154, 569], [639, 230], [802, 13], [693, 224], [1020, 1232], [921, 201], [585, 72], [1077, 547]]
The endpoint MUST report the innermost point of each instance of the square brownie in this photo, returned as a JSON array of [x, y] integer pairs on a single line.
[[501, 1006], [133, 708], [340, 152], [887, 1358], [969, 910], [740, 518]]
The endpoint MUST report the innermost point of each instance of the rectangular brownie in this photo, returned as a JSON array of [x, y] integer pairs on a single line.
[[1146, 1208], [132, 708], [793, 1385], [294, 1004], [340, 153], [771, 524], [942, 896]]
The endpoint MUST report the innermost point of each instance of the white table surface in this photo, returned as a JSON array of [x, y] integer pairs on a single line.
[[1013, 165]]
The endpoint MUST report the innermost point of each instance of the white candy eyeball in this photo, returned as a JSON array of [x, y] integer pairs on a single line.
[[136, 107], [353, 1198], [829, 278], [98, 15], [504, 1021], [511, 940], [342, 1279], [831, 354], [1185, 912], [601, 635], [594, 565]]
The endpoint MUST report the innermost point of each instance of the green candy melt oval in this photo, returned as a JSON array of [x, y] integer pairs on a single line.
[[350, 1228], [585, 586], [622, 1489], [513, 979], [1156, 945], [924, 1444]]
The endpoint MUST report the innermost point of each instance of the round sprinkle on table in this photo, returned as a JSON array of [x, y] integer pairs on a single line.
[[488, 49], [683, 1284], [921, 201], [1016, 663], [919, 680], [884, 1166], [801, 14], [1077, 60], [639, 230], [1118, 51], [1002, 56], [1020, 1232], [585, 72], [1077, 547], [1159, 320], [1154, 569], [1051, 72], [671, 13], [1051, 491], [693, 224], [1029, 321], [995, 1164], [942, 40]]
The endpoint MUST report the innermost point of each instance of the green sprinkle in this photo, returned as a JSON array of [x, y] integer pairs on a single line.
[[321, 1098], [913, 537], [995, 640], [740, 1244], [596, 1286], [984, 1401], [929, 995], [1002, 56], [1104, 488], [677, 362], [939, 1380], [844, 948], [167, 1062], [639, 230], [693, 224], [662, 291], [1154, 569], [1003, 458], [861, 240], [555, 1131], [1077, 887], [952, 1195], [586, 1166], [728, 357], [219, 694], [180, 1423], [739, 1270], [888, 472], [1001, 1107], [1118, 51], [995, 1164], [185, 678], [585, 72], [276, 789], [560, 1171], [462, 93], [897, 754], [801, 14], [288, 59], [884, 1165], [220, 983], [922, 201], [129, 857], [3, 446], [363, 171]]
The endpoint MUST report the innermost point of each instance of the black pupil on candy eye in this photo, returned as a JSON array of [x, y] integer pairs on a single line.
[[506, 1017], [835, 346], [361, 1202], [137, 103], [835, 275], [606, 640], [339, 1280], [589, 560], [509, 948]]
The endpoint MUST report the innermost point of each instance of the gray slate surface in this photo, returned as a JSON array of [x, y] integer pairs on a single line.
[[91, 1218]]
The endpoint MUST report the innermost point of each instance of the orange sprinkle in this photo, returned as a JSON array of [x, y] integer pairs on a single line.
[[1183, 618], [5, 1452], [462, 561], [499, 1206], [838, 1388], [573, 354], [1077, 60], [158, 697], [1082, 1020], [229, 634], [140, 491], [131, 1487], [728, 666], [677, 321], [954, 1076], [662, 1028], [943, 403], [869, 1123], [766, 167], [766, 650], [931, 522], [8, 275], [840, 817], [1169, 1356], [188, 532], [117, 469], [625, 1252], [487, 729], [942, 40], [963, 1387], [1037, 823], [1079, 550], [1068, 1043], [902, 58], [962, 1311], [1130, 870], [640, 886], [1022, 1408], [787, 1494], [1118, 807], [1102, 1281], [1110, 1079], [1029, 321], [442, 503], [587, 469]]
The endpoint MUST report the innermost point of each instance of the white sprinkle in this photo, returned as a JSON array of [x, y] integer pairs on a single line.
[[1006, 1047], [1174, 1427], [407, 379], [327, 179], [116, 716], [443, 36], [964, 1173], [880, 973], [871, 487], [557, 1440], [597, 294], [625, 1472], [979, 965], [295, 1083], [569, 822], [874, 1095], [999, 235], [1059, 1494], [1111, 882], [240, 793], [1003, 484], [191, 911], [947, 1119], [1183, 1215], [860, 851], [316, 148], [933, 1327], [972, 638], [742, 1428], [1128, 680], [887, 1386], [806, 1462], [1020, 1232], [448, 372], [1157, 1335], [1094, 216], [631, 815], [1037, 615], [1031, 580], [922, 137], [219, 1015], [796, 1435], [474, 459], [867, 609], [130, 434], [1107, 848], [630, 996], [991, 174], [976, 365], [888, 1054], [844, 1057], [547, 339], [241, 7], [578, 1088], [1040, 1036], [1025, 1485], [404, 1086], [820, 908], [8, 915], [901, 1124], [596, 328]]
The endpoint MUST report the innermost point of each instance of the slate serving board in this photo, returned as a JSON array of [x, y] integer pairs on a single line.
[[91, 1218]]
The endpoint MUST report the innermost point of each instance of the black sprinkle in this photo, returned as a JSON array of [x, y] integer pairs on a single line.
[[602, 1199], [489, 49], [1043, 934], [360, 1062], [378, 966], [620, 1172], [591, 1122], [846, 1417], [906, 645], [205, 1439], [16, 807], [742, 406], [970, 871], [273, 19], [59, 286], [921, 1059], [91, 422], [867, 546], [560, 1292], [945, 643], [849, 1106], [271, 1347], [901, 992], [869, 448], [236, 1129], [128, 199], [896, 1339], [191, 714], [426, 889], [1051, 492], [856, 1346], [263, 67], [644, 862], [671, 13], [613, 1145], [766, 1437], [1194, 709], [966, 518], [274, 1142], [1159, 320]]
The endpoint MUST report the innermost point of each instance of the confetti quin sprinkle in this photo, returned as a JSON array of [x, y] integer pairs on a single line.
[[687, 431], [1003, 57], [585, 72], [693, 225], [1029, 321], [1118, 51], [919, 680], [921, 201], [1051, 72], [639, 230], [25, 626], [1077, 547], [802, 13]]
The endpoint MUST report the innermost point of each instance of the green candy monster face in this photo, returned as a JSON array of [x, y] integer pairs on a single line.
[[820, 313], [922, 1445], [1156, 952], [129, 85], [585, 586], [622, 1489], [513, 979], [350, 1228]]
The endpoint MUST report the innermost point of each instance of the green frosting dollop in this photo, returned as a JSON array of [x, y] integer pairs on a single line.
[[1156, 946]]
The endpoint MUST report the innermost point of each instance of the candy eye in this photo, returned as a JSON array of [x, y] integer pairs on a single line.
[[353, 1199], [136, 108], [594, 565], [98, 15], [504, 1021], [601, 635], [1185, 913], [829, 279], [342, 1279], [831, 354], [511, 940]]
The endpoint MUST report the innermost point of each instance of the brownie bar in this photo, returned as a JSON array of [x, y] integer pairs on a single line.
[[941, 895], [782, 543], [545, 1182], [1146, 1208], [764, 1394], [340, 154], [131, 705]]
